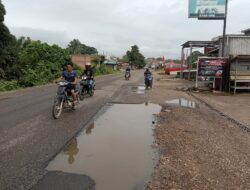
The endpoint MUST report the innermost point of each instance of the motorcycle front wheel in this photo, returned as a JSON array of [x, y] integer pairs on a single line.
[[57, 109], [81, 96]]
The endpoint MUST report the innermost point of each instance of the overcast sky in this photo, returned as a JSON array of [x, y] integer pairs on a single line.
[[158, 27]]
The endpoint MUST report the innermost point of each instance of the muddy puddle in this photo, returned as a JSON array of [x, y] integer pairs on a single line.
[[182, 102], [137, 89], [115, 150]]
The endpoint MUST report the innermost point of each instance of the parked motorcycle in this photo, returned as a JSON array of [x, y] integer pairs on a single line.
[[148, 81], [86, 87], [127, 75], [63, 99]]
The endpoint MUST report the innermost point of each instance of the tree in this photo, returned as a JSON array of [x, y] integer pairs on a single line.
[[23, 42], [41, 63], [125, 59], [8, 52], [194, 58], [135, 57], [76, 47]]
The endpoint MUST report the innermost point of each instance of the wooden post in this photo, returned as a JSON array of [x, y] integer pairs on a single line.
[[182, 60]]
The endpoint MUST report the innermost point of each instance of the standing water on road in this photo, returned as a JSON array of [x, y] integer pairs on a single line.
[[115, 150], [182, 102]]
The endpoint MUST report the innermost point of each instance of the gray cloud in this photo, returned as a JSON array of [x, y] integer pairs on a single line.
[[51, 37], [157, 27]]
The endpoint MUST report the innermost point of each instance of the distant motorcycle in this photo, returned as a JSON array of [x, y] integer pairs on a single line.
[[86, 87], [127, 75], [63, 99], [148, 80]]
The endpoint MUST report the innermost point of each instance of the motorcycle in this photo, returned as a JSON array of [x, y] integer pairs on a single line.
[[148, 81], [127, 75], [63, 99], [86, 86]]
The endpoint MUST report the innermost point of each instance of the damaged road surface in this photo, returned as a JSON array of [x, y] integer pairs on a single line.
[[30, 138], [115, 149], [124, 137], [199, 148]]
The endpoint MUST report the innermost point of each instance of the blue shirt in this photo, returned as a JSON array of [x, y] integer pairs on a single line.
[[70, 77]]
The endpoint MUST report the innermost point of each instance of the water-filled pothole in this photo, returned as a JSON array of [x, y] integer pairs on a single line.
[[137, 89], [115, 150], [182, 102]]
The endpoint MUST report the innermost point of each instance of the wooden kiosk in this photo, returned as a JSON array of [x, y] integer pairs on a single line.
[[239, 78]]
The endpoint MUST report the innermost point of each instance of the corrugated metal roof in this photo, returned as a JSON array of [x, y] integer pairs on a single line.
[[199, 44]]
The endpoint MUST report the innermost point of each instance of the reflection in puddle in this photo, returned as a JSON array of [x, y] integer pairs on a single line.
[[137, 89], [183, 102], [116, 150], [71, 150]]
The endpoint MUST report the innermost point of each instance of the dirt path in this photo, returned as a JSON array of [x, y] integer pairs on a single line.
[[198, 148]]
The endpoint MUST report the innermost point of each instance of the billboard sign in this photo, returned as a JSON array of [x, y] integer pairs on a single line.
[[210, 68], [207, 9]]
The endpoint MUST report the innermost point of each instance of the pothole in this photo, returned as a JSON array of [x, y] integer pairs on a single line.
[[136, 89], [182, 102], [115, 150]]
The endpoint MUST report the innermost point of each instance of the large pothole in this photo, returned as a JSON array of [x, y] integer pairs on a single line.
[[115, 150]]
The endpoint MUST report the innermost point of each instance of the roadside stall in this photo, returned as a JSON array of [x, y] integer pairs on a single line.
[[240, 73]]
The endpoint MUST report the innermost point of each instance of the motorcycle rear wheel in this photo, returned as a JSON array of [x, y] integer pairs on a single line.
[[57, 109]]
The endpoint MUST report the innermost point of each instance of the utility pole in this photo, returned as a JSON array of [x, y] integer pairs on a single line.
[[224, 30]]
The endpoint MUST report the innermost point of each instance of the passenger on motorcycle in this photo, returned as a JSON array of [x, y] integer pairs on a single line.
[[89, 73], [71, 76]]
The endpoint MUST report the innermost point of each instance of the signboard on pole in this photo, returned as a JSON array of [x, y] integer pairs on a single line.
[[207, 9], [211, 70], [211, 66]]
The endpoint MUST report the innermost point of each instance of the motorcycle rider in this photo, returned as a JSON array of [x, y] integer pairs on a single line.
[[89, 73], [147, 72], [70, 76], [128, 71]]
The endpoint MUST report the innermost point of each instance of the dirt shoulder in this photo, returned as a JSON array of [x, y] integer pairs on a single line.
[[199, 149], [236, 106]]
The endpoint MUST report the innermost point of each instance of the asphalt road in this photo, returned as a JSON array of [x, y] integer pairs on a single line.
[[30, 137]]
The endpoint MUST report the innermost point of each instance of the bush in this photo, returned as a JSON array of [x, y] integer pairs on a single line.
[[103, 70], [8, 85]]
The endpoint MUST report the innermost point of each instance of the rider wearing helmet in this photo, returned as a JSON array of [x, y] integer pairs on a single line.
[[88, 71], [147, 72]]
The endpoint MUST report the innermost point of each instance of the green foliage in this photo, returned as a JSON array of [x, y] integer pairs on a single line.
[[96, 59], [194, 58], [102, 70], [41, 63], [8, 85], [76, 47], [8, 57], [125, 59], [25, 63], [2, 12], [135, 57]]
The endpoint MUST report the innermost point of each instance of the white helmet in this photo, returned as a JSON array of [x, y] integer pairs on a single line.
[[88, 64]]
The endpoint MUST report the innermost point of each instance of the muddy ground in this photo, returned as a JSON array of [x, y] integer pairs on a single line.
[[199, 149]]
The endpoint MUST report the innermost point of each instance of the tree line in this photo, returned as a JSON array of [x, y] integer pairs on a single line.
[[25, 62]]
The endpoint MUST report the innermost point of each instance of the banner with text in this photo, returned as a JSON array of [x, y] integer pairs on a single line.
[[207, 9]]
